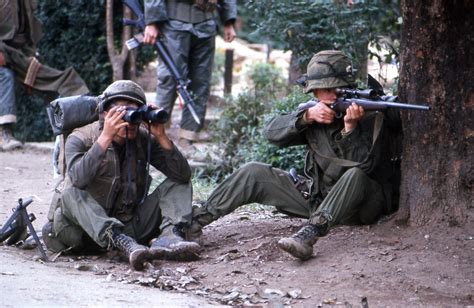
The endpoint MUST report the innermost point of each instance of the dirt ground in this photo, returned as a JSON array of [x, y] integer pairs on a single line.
[[370, 266]]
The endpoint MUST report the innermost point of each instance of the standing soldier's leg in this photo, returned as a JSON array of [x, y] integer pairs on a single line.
[[44, 78], [200, 74], [254, 182], [7, 110], [355, 198], [65, 83], [177, 43]]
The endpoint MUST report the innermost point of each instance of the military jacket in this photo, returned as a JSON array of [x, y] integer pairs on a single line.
[[104, 175], [326, 144], [186, 11]]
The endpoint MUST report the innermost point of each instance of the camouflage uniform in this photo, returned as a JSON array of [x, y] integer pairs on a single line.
[[346, 176], [189, 31], [20, 31]]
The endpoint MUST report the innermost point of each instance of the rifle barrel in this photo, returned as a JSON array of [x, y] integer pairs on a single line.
[[377, 105]]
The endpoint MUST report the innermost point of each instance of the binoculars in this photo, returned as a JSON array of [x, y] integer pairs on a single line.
[[145, 113]]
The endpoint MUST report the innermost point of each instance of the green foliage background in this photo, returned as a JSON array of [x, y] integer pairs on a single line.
[[306, 27], [239, 130], [73, 35]]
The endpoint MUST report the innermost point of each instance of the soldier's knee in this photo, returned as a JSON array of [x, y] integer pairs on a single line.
[[254, 169], [69, 194], [60, 234]]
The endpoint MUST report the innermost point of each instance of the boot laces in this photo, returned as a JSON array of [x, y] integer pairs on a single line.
[[178, 231], [125, 242], [308, 231]]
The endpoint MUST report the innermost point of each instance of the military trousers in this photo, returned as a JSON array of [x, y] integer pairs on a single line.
[[7, 96], [354, 199], [194, 57], [80, 220], [65, 83]]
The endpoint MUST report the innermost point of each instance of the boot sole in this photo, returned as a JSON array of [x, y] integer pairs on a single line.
[[295, 249], [159, 253], [138, 257], [188, 251]]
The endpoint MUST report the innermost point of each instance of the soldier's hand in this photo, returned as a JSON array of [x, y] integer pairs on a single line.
[[150, 34], [112, 124], [320, 113], [2, 59], [229, 33], [159, 132], [353, 115]]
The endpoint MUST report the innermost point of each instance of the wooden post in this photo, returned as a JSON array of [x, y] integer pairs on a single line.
[[229, 64]]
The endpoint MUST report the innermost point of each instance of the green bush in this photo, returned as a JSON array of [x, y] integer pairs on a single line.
[[267, 80], [218, 68], [239, 129], [257, 148]]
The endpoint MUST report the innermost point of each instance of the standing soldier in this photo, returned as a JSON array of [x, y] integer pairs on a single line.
[[20, 31], [189, 29]]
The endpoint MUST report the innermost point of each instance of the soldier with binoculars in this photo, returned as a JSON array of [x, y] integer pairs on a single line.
[[105, 202]]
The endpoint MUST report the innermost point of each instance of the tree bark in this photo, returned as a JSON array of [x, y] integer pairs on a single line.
[[295, 70], [117, 58], [437, 68]]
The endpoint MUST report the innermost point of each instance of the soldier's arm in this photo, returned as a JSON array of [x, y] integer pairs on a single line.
[[356, 145], [170, 162], [83, 158], [227, 11], [82, 162], [286, 130], [155, 14], [155, 11]]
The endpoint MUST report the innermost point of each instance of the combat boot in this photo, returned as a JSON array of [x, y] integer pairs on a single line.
[[172, 246], [137, 254], [300, 244], [7, 141], [201, 218]]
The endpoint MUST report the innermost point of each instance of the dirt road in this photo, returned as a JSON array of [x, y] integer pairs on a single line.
[[382, 265]]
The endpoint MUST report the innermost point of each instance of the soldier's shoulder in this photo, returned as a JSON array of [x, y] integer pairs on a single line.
[[87, 133]]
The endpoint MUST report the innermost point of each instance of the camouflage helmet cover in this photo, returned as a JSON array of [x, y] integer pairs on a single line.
[[329, 69], [125, 89]]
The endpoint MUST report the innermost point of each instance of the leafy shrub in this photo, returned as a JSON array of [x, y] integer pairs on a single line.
[[239, 129], [267, 80], [257, 148], [218, 68]]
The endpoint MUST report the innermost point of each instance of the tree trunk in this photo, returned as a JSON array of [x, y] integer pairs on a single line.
[[437, 68], [295, 70], [117, 59]]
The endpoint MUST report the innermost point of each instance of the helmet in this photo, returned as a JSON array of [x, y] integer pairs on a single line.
[[125, 89], [329, 69]]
